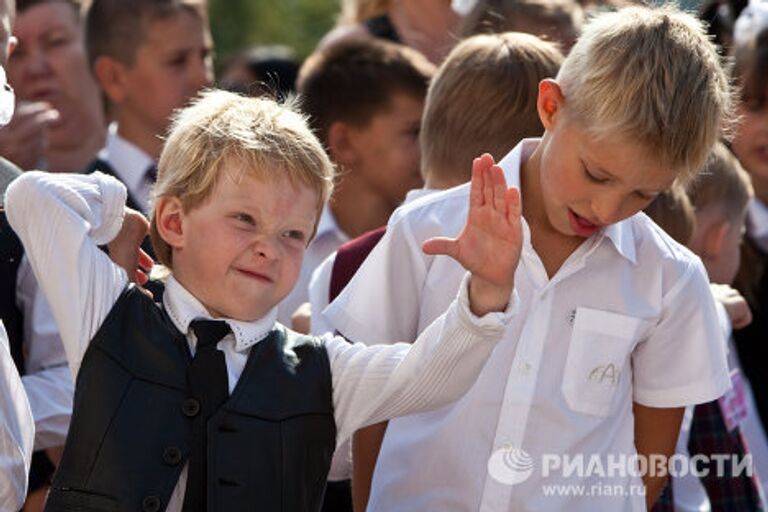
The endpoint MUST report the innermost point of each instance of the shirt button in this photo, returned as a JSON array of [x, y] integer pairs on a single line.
[[190, 407], [172, 456], [150, 504], [571, 317]]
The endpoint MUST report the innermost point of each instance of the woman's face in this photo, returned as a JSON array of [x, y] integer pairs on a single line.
[[50, 65]]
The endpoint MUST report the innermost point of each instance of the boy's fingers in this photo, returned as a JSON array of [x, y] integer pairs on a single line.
[[440, 246], [514, 205], [499, 189], [145, 261], [476, 188]]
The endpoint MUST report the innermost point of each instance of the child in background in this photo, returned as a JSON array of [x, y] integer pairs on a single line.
[[364, 100], [729, 425], [501, 72], [150, 58], [558, 21], [203, 402], [673, 212], [617, 331], [750, 145]]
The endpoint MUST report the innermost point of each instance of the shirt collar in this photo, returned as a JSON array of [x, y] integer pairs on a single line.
[[128, 160], [621, 233], [757, 223], [183, 307]]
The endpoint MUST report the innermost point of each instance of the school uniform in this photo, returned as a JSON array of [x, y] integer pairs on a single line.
[[35, 346], [290, 400], [328, 238], [627, 318], [17, 431]]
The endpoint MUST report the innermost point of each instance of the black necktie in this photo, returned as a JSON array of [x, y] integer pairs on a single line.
[[151, 173], [208, 384]]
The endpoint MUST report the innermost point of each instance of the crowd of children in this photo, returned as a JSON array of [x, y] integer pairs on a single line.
[[480, 255]]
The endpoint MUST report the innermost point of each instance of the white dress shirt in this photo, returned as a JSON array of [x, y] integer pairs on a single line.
[[17, 432], [328, 238], [130, 163], [319, 289], [82, 284], [47, 379], [629, 298]]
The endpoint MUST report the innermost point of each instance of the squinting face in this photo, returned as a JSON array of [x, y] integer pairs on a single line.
[[587, 184], [50, 64], [388, 153], [242, 249], [751, 144], [172, 66]]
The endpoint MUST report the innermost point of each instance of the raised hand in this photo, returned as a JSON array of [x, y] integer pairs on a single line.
[[489, 245], [125, 249]]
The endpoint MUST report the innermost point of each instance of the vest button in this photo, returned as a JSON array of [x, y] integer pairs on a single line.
[[172, 456], [150, 504], [190, 407]]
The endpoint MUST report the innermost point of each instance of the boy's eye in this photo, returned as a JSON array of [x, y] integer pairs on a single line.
[[646, 197], [594, 179], [295, 234], [245, 218]]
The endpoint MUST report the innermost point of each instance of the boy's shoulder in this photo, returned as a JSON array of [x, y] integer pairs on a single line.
[[655, 248], [443, 209]]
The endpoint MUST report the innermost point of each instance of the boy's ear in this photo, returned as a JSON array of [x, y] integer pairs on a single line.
[[341, 143], [714, 239], [169, 216], [550, 102], [110, 73]]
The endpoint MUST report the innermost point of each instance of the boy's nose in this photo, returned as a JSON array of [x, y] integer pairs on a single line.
[[608, 209]]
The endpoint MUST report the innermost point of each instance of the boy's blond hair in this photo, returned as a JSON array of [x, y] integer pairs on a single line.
[[649, 74], [483, 99], [723, 184], [226, 132]]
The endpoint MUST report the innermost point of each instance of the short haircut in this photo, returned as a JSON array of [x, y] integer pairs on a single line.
[[118, 28], [723, 184], [652, 75], [352, 81], [483, 99], [268, 139], [556, 20], [672, 211]]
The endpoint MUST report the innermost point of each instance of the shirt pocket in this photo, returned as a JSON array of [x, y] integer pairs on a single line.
[[598, 356]]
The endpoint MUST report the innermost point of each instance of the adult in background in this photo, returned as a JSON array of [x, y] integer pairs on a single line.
[[59, 121]]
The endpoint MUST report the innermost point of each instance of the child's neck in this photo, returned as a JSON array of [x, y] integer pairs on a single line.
[[552, 247], [77, 158], [140, 135], [760, 187], [357, 207]]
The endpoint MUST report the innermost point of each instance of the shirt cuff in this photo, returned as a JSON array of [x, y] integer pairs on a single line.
[[113, 197], [491, 322]]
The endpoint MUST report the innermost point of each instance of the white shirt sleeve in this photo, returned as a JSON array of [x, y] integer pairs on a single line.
[[62, 219], [383, 299], [17, 432], [375, 383], [683, 361], [319, 288], [47, 379]]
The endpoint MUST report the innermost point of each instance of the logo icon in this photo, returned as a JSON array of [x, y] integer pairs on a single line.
[[509, 465]]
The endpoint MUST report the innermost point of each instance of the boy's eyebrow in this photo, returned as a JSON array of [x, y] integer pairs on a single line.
[[649, 191]]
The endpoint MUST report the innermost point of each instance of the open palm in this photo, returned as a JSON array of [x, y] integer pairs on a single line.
[[490, 242]]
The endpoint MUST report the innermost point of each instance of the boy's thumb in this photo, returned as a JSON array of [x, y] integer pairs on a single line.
[[440, 246]]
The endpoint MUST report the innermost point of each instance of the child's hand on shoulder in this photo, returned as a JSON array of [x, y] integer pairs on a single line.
[[490, 243], [125, 249], [735, 304]]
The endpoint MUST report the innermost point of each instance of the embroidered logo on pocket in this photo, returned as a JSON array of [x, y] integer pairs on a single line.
[[606, 373]]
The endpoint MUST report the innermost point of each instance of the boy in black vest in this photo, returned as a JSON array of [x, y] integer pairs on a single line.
[[175, 410]]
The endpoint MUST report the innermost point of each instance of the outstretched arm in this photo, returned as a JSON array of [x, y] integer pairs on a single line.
[[379, 382]]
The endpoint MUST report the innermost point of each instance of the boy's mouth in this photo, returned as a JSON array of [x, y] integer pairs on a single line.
[[580, 225], [255, 275]]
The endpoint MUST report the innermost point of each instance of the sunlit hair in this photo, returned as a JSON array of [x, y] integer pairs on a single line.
[[226, 133], [651, 75]]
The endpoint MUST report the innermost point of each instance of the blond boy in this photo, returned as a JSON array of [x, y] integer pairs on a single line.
[[174, 409], [617, 331]]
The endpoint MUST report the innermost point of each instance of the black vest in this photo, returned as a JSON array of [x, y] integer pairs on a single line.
[[270, 444]]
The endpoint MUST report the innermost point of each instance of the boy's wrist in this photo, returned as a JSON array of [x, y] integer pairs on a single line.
[[485, 297]]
